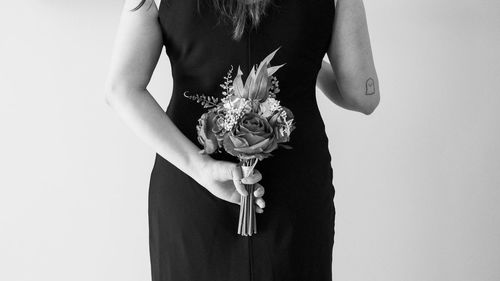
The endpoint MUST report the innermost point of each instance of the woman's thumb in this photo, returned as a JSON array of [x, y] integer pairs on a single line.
[[237, 175]]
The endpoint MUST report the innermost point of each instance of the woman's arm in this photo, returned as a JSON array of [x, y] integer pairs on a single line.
[[352, 69], [137, 48], [327, 83]]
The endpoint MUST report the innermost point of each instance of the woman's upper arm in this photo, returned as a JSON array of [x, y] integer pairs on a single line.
[[137, 47], [351, 56]]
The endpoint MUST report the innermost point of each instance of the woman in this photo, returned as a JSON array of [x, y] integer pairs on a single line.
[[194, 198]]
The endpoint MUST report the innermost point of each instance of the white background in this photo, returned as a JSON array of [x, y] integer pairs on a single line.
[[417, 182]]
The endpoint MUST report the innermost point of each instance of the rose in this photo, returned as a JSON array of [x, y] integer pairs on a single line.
[[209, 129], [252, 136], [282, 126]]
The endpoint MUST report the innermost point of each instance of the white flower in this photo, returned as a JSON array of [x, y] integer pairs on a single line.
[[274, 104]]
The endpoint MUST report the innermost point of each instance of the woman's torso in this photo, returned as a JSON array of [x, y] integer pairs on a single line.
[[201, 52]]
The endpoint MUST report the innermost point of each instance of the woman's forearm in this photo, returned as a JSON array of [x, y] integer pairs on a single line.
[[140, 111], [327, 83]]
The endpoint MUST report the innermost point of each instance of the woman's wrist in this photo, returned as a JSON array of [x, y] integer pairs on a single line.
[[198, 164]]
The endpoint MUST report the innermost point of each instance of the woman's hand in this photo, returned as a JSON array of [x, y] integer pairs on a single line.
[[222, 179]]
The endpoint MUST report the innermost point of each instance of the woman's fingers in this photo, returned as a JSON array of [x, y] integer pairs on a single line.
[[259, 191], [237, 176], [254, 178], [260, 202]]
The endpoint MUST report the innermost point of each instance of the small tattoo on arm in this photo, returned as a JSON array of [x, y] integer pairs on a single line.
[[370, 86]]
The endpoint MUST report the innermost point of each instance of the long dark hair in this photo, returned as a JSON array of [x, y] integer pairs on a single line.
[[236, 11]]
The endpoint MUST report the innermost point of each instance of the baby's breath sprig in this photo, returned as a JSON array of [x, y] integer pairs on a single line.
[[206, 101], [227, 82], [274, 89]]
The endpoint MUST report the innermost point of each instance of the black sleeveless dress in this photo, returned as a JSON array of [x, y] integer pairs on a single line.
[[193, 234]]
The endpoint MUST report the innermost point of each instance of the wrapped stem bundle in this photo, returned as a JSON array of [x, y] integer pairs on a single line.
[[247, 224]]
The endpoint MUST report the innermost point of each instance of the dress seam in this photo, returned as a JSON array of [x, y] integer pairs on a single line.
[[250, 246]]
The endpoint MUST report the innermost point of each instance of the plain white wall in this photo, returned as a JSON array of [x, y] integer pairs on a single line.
[[417, 182]]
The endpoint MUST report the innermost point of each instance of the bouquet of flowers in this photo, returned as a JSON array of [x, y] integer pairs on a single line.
[[249, 123]]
